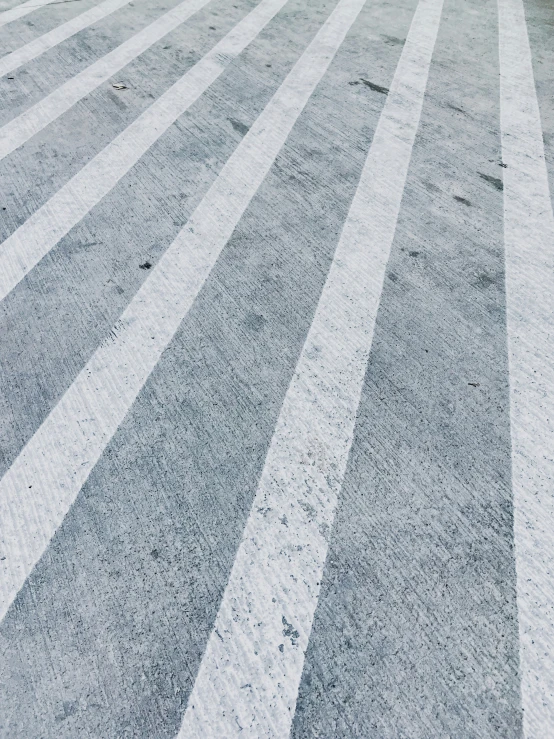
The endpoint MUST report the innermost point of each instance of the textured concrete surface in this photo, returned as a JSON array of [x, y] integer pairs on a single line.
[[416, 633]]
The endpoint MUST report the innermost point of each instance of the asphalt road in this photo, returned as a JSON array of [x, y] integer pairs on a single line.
[[276, 369]]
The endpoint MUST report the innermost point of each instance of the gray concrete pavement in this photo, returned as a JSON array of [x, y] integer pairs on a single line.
[[412, 568]]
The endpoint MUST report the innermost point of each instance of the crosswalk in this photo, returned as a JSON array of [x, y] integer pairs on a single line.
[[47, 41], [7, 16], [282, 553], [28, 124], [275, 419]]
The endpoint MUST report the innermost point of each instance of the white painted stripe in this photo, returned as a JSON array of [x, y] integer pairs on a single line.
[[20, 129], [42, 483], [529, 244], [48, 40], [20, 252], [248, 680], [20, 10]]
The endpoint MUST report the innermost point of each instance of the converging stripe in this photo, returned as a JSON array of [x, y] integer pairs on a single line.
[[26, 125], [248, 679], [529, 245], [47, 41], [42, 483], [20, 10], [21, 251]]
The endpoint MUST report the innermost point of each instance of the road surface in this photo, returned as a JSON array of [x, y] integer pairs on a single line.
[[276, 369]]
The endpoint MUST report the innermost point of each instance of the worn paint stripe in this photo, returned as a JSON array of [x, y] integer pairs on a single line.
[[26, 125], [248, 680], [48, 40], [42, 483], [529, 245], [21, 251]]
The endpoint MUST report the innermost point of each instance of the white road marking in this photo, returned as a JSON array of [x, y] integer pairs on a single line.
[[47, 41], [26, 125], [529, 244], [44, 480], [248, 679], [21, 251], [20, 10]]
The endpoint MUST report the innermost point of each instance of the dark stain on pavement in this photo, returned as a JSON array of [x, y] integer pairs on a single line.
[[69, 709], [289, 631], [392, 40], [459, 199], [255, 322], [371, 85], [484, 280], [374, 87], [494, 181], [455, 107], [239, 127]]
